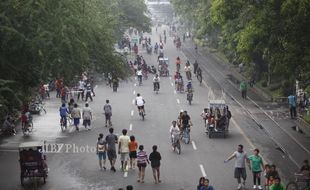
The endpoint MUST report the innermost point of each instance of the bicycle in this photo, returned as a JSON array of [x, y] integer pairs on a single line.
[[27, 127], [300, 183], [142, 113], [176, 143], [63, 124]]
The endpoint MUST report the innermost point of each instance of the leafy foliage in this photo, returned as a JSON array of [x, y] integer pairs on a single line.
[[41, 39], [274, 34]]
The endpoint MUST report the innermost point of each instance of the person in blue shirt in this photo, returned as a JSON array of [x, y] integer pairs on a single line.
[[206, 185], [63, 112], [292, 105]]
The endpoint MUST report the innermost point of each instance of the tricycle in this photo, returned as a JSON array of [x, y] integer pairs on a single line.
[[32, 161], [217, 121], [163, 64]]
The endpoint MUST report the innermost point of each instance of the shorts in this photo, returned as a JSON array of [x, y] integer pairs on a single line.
[[141, 165], [140, 107], [76, 121], [133, 154], [111, 154], [86, 122], [124, 156], [108, 116], [102, 155], [240, 173]]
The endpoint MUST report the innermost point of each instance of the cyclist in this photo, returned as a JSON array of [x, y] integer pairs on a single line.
[[195, 66], [185, 121], [188, 70], [140, 103], [174, 134], [26, 118], [139, 74], [107, 108], [63, 111], [156, 81]]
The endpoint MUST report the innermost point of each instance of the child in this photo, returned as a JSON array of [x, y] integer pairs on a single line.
[[133, 145], [266, 171], [272, 174]]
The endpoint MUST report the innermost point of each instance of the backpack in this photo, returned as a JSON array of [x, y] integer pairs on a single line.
[[101, 148], [107, 108]]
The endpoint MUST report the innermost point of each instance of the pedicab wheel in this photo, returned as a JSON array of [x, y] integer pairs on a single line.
[[142, 116], [292, 186], [44, 179], [179, 149]]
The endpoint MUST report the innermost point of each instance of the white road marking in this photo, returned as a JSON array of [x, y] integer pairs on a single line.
[[194, 145], [175, 91], [130, 127], [203, 171], [96, 86], [178, 101], [134, 92], [171, 84], [170, 78], [131, 113], [133, 101], [71, 129], [135, 84]]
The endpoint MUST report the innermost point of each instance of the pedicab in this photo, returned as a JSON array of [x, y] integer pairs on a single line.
[[32, 161], [163, 63], [217, 119]]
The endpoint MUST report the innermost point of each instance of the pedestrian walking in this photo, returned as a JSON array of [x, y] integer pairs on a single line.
[[256, 165], [107, 108], [89, 90], [123, 149], [240, 171], [81, 90], [101, 151], [195, 66], [206, 185], [155, 158], [292, 105], [111, 140], [76, 115], [142, 162], [87, 116], [201, 182], [243, 89], [129, 187], [133, 146]]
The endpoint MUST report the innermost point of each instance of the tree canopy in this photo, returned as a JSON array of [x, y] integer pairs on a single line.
[[273, 35], [43, 39]]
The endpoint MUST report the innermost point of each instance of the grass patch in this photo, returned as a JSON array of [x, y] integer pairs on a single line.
[[307, 118]]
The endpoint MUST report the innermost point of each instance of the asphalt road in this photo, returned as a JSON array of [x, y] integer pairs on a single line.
[[73, 167]]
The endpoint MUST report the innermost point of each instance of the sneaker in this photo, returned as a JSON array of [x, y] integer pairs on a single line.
[[260, 187], [254, 186], [239, 186]]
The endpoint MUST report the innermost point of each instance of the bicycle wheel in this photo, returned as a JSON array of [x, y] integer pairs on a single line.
[[199, 78], [30, 126], [179, 147], [292, 186]]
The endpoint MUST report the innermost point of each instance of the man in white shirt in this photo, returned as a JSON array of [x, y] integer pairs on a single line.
[[156, 81], [140, 103], [81, 89], [87, 116], [139, 74], [123, 149]]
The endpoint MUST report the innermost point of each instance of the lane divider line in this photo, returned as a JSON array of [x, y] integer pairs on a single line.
[[171, 84], [134, 92], [130, 127], [178, 101], [135, 84], [133, 101], [194, 145], [175, 92], [203, 171], [131, 113]]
